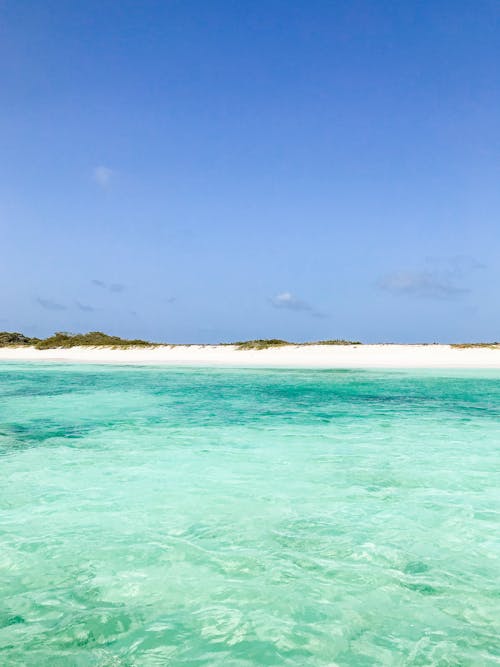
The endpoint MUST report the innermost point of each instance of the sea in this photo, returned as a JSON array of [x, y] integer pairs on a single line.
[[178, 516]]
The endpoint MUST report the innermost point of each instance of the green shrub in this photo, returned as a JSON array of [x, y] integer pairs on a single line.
[[15, 339], [336, 341], [261, 344], [466, 345], [91, 339], [265, 343]]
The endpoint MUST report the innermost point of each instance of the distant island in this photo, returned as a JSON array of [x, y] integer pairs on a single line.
[[63, 339]]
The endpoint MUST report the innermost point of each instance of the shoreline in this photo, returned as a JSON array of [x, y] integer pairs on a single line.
[[289, 356]]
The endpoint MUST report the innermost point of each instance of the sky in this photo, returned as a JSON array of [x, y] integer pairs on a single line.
[[193, 171]]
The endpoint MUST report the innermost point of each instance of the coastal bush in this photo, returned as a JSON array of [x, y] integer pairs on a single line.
[[336, 341], [261, 344], [90, 339], [265, 343], [15, 339], [466, 345]]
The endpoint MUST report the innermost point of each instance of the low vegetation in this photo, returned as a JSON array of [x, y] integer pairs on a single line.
[[261, 344], [462, 346], [336, 341], [15, 339], [91, 339], [99, 339], [64, 339], [265, 343]]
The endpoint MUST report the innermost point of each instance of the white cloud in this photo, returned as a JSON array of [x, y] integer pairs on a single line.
[[287, 300], [102, 176]]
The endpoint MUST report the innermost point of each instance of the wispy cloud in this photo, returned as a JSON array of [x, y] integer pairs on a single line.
[[49, 304], [84, 307], [459, 265], [439, 279], [111, 287], [102, 176], [424, 284], [288, 301]]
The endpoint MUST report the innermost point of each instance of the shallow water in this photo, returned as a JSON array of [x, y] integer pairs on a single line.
[[159, 516]]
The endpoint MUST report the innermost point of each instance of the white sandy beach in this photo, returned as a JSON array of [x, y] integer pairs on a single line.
[[290, 356]]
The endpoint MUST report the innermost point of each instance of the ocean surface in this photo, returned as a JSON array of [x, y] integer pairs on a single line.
[[172, 516]]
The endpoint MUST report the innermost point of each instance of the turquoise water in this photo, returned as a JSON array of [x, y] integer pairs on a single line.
[[159, 516]]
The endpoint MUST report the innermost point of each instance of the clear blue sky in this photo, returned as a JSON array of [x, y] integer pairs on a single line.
[[211, 171]]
